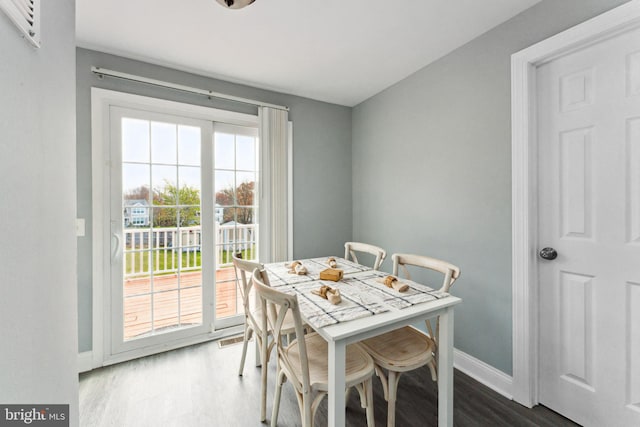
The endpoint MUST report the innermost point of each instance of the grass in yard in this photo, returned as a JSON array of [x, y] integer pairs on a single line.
[[166, 261]]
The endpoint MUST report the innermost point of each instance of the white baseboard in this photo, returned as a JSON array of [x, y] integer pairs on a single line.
[[85, 361], [483, 373]]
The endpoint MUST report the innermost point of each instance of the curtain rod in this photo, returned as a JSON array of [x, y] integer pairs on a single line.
[[131, 77]]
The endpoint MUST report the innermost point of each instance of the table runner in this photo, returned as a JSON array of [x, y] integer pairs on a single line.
[[369, 288], [362, 294], [279, 271]]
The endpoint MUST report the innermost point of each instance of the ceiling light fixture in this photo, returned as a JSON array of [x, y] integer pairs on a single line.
[[235, 4]]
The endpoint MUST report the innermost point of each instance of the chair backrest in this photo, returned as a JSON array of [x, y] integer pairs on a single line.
[[275, 305], [450, 271], [350, 249], [246, 280]]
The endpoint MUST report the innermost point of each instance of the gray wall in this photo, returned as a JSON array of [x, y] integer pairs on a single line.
[[321, 170], [38, 317], [432, 169]]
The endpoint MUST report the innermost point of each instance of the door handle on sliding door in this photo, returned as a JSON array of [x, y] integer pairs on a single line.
[[116, 247]]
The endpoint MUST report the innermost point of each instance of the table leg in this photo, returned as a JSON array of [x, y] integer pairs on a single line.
[[445, 369], [337, 355]]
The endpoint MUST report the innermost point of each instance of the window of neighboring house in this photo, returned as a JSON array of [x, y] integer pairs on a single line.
[[138, 221]]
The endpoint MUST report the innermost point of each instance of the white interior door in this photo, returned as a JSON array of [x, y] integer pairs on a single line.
[[589, 212]]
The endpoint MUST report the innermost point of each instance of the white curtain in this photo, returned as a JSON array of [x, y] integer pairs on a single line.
[[273, 195]]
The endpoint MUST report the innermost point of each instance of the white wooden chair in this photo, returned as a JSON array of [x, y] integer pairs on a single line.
[[407, 348], [350, 249], [304, 361], [244, 270]]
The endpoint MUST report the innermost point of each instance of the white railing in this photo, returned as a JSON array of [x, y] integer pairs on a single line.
[[170, 249]]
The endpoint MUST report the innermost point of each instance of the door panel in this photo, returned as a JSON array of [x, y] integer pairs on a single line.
[[575, 180], [633, 355], [236, 150], [160, 210], [576, 308], [589, 211], [633, 179]]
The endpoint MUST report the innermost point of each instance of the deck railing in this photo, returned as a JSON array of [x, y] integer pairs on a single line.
[[169, 249]]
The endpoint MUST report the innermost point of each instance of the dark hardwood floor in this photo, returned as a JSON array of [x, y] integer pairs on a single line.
[[199, 386]]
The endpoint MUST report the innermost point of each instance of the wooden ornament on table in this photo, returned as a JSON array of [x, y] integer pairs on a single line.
[[394, 283], [296, 267], [333, 274], [328, 293]]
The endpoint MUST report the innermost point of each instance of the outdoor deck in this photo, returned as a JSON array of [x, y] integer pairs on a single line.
[[166, 311]]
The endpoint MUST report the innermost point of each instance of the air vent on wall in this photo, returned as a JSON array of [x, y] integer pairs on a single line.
[[26, 15]]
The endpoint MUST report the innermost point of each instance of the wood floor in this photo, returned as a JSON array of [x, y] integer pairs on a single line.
[[175, 301], [199, 386]]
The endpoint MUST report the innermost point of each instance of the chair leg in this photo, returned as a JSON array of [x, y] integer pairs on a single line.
[[280, 378], [314, 405], [365, 390], [394, 377], [307, 413], [368, 385], [258, 346], [432, 368], [244, 348], [264, 369], [383, 380]]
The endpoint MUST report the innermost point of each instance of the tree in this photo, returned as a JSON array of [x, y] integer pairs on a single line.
[[176, 206], [140, 193], [243, 197], [225, 197], [244, 194]]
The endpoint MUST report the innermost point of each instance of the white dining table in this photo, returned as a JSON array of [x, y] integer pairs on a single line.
[[339, 335]]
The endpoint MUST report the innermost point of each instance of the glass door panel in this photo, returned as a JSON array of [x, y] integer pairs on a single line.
[[236, 211], [157, 283]]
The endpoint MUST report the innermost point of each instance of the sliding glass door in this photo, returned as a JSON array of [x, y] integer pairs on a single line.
[[182, 201]]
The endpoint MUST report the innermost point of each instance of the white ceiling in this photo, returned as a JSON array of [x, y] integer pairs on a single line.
[[339, 51]]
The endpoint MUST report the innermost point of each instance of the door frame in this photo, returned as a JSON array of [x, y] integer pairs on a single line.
[[101, 101], [524, 166]]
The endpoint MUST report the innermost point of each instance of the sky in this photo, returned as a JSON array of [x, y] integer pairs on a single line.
[[154, 153]]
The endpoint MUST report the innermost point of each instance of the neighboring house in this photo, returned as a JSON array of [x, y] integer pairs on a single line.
[[219, 213], [137, 213]]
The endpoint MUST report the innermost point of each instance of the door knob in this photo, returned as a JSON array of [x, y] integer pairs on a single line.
[[548, 253]]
